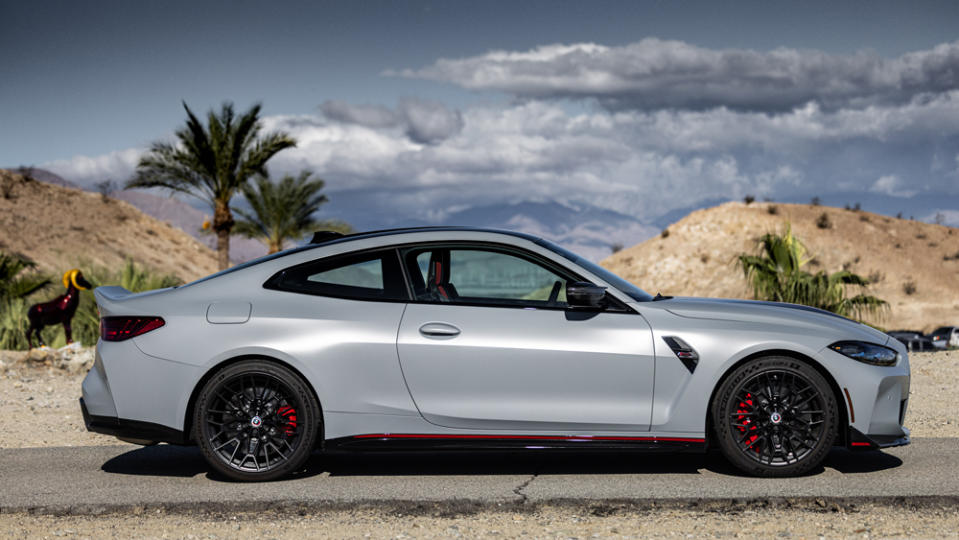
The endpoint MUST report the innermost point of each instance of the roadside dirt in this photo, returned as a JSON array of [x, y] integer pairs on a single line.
[[38, 406], [547, 522]]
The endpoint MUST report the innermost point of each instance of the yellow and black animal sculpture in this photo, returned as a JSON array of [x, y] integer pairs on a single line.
[[60, 310]]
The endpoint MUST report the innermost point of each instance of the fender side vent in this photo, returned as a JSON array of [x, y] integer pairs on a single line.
[[686, 354]]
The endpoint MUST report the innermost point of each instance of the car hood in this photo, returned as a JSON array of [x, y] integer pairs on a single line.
[[777, 313]]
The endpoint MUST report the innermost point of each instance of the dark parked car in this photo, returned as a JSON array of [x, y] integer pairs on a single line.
[[914, 341], [945, 337]]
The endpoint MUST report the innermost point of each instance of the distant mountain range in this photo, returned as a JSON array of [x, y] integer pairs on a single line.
[[579, 226]]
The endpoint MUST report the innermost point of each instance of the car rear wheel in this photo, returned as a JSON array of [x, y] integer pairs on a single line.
[[256, 420], [775, 416]]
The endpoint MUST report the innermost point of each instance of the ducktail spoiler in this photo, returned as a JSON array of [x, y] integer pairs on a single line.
[[115, 300]]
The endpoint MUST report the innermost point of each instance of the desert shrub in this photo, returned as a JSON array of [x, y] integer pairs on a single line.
[[953, 257], [816, 201], [876, 276], [616, 247], [772, 209], [105, 188], [856, 207], [823, 221], [704, 258], [7, 184], [909, 287], [864, 217], [921, 236], [665, 233], [748, 199]]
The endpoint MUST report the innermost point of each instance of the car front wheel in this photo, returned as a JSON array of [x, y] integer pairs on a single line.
[[775, 416], [256, 420]]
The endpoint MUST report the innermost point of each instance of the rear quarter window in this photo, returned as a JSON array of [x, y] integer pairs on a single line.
[[366, 276]]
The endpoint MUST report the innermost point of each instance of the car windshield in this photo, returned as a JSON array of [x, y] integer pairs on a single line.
[[624, 286]]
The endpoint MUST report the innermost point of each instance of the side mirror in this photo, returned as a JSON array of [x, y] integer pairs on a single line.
[[583, 294]]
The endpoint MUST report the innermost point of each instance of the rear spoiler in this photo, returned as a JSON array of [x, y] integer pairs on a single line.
[[113, 300], [110, 293]]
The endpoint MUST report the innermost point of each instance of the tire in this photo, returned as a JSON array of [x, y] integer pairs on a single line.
[[775, 416], [256, 421]]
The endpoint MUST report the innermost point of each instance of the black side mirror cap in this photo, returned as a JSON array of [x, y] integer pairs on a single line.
[[585, 295]]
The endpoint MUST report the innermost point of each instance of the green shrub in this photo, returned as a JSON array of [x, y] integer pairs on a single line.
[[86, 321]]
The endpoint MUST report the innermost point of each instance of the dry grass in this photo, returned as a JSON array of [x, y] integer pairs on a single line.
[[58, 226], [896, 249]]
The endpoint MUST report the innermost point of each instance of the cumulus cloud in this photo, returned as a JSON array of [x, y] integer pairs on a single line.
[[425, 122], [639, 163], [87, 170], [891, 185], [655, 73]]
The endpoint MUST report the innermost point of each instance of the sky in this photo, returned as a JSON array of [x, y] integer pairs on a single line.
[[424, 109]]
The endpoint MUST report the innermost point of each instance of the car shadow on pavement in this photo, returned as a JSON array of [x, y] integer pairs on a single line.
[[181, 461]]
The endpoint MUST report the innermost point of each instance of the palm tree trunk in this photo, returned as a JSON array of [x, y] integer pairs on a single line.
[[222, 224]]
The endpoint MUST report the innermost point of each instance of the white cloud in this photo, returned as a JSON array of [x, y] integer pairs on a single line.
[[655, 73], [86, 170], [893, 186], [422, 121], [638, 163]]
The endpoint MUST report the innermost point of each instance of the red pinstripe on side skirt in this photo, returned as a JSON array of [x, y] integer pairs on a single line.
[[584, 438]]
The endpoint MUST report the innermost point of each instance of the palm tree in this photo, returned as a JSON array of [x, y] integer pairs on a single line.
[[777, 275], [212, 162], [15, 282], [284, 210]]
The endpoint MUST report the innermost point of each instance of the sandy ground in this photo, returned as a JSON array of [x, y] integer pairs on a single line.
[[546, 522], [38, 407]]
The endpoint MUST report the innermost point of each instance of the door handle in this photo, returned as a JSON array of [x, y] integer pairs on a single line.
[[436, 329]]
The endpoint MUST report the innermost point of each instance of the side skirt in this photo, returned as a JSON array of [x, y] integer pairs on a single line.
[[433, 441]]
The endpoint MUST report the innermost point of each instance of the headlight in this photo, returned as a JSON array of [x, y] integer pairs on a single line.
[[869, 353]]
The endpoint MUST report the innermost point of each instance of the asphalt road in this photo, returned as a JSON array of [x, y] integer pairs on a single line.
[[119, 478]]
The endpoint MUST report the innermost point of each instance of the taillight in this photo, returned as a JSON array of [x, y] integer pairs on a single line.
[[122, 328]]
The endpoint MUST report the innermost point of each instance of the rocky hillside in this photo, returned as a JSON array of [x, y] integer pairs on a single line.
[[58, 227], [914, 265]]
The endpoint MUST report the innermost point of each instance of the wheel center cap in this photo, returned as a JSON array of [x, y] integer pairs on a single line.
[[775, 417], [256, 421]]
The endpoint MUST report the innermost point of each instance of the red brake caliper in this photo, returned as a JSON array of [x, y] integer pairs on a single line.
[[745, 422], [288, 414]]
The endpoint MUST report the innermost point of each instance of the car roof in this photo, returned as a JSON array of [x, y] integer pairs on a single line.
[[335, 238]]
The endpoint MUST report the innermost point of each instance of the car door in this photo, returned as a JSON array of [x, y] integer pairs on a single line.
[[489, 343]]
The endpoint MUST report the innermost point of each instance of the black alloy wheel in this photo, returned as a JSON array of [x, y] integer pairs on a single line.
[[775, 416], [256, 420]]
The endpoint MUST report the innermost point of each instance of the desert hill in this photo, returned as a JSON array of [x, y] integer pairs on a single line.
[[914, 266], [59, 226]]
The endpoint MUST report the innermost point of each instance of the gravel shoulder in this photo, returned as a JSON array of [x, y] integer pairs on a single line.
[[38, 405], [545, 522]]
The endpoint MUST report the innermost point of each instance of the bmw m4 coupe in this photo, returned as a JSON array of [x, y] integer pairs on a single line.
[[467, 338]]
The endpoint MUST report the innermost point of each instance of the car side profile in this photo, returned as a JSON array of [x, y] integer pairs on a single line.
[[453, 337]]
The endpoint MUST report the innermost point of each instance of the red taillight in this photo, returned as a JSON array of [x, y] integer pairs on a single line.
[[121, 328]]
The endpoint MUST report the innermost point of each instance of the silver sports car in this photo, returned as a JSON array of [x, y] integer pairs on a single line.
[[457, 337]]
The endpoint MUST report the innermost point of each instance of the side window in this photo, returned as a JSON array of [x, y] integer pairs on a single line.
[[482, 276], [369, 276]]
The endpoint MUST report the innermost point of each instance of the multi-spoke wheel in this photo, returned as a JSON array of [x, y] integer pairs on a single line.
[[256, 420], [775, 416]]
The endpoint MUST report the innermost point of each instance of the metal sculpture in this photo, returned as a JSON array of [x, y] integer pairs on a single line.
[[60, 310]]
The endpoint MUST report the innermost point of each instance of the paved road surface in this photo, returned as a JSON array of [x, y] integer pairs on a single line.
[[92, 479]]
